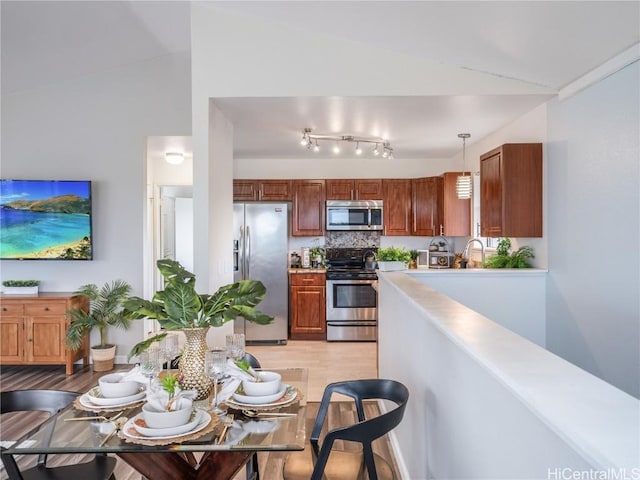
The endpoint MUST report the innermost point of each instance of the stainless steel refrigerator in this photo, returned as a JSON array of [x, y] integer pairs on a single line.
[[260, 252]]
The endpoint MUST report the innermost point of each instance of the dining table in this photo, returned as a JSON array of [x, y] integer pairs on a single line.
[[214, 450]]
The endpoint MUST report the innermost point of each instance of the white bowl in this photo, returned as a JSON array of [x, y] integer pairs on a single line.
[[261, 400], [166, 419], [111, 386], [197, 417], [269, 385]]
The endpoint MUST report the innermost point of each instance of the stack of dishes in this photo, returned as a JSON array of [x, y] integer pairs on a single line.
[[113, 392], [270, 392], [140, 427]]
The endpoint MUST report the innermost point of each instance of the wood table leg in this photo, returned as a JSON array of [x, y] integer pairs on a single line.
[[173, 465]]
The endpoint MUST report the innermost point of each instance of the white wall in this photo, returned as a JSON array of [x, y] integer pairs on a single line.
[[593, 224], [95, 128]]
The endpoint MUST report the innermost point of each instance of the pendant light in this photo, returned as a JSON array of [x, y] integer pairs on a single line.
[[464, 184]]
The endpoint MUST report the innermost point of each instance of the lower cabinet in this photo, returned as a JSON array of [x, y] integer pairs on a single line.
[[307, 306], [33, 329]]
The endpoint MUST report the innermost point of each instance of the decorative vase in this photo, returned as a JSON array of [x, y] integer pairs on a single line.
[[191, 367]]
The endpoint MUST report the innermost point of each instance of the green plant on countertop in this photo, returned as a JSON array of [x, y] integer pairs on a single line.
[[21, 283], [394, 254], [413, 254], [315, 253], [504, 259]]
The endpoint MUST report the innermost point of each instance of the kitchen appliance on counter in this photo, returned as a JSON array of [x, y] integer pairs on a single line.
[[354, 215], [352, 294], [260, 252]]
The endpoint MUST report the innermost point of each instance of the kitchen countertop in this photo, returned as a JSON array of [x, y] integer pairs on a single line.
[[308, 270], [475, 271]]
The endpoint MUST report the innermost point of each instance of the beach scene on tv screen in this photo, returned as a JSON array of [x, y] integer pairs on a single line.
[[45, 219]]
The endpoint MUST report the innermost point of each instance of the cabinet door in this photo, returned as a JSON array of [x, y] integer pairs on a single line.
[[369, 189], [424, 193], [45, 339], [11, 339], [245, 190], [275, 190], [397, 206], [308, 208], [308, 311], [456, 213], [491, 196], [340, 189]]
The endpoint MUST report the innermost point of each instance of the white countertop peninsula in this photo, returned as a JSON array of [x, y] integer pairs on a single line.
[[487, 403]]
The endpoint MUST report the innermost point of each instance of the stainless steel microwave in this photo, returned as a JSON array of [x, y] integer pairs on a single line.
[[354, 214]]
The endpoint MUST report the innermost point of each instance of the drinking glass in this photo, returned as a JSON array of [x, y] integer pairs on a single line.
[[151, 363], [235, 346], [215, 364], [171, 349]]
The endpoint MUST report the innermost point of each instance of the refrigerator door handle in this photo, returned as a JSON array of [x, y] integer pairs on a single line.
[[241, 254], [248, 262]]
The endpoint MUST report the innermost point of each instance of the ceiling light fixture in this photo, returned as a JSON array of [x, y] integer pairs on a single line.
[[312, 140], [464, 185], [174, 158]]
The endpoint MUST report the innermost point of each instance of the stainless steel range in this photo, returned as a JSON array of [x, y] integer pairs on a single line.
[[352, 294]]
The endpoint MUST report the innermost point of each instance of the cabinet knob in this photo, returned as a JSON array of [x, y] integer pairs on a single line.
[[46, 309], [4, 309], [29, 339]]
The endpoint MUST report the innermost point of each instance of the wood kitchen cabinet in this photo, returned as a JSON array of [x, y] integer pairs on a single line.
[[33, 330], [455, 219], [426, 206], [261, 190], [358, 189], [307, 306], [511, 191], [308, 209], [397, 206]]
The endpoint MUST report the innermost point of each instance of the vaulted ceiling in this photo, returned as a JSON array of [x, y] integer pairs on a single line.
[[544, 44]]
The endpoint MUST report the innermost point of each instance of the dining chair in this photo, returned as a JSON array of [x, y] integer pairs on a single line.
[[321, 460], [52, 401]]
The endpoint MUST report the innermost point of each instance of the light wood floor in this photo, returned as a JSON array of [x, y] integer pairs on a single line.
[[327, 362]]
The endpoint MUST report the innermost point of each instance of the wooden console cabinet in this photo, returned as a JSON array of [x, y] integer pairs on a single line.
[[33, 329], [307, 301]]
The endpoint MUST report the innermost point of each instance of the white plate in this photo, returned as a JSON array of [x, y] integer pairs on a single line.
[[260, 399], [96, 398], [132, 430], [290, 394]]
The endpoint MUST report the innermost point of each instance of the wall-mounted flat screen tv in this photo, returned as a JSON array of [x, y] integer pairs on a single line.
[[45, 220]]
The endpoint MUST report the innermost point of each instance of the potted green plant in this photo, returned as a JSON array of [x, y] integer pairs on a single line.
[[393, 258], [505, 259], [180, 307], [105, 310], [413, 264], [317, 256], [20, 287]]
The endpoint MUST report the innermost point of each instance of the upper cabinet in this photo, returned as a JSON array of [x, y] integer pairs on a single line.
[[511, 191], [360, 189], [308, 207], [455, 214], [426, 206], [397, 206], [261, 190]]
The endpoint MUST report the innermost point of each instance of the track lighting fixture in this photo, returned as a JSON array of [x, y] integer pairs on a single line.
[[310, 140]]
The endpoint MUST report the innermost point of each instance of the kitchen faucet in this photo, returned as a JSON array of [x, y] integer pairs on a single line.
[[465, 252]]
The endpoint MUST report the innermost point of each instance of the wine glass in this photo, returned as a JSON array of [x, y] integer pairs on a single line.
[[215, 364], [235, 346], [171, 349], [150, 363]]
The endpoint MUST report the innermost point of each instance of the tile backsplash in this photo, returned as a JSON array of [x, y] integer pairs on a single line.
[[352, 239]]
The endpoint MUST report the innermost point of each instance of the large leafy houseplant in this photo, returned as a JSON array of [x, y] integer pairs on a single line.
[[179, 306]]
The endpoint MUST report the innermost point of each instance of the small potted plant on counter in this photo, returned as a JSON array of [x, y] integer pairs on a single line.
[[20, 287], [505, 259], [413, 264], [393, 258], [317, 257]]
